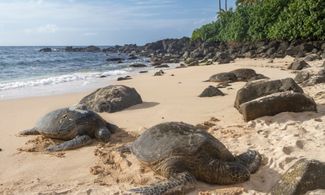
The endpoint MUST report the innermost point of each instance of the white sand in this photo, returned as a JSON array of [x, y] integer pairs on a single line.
[[282, 139]]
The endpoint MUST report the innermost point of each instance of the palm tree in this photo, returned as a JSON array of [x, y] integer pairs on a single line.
[[226, 5], [219, 5]]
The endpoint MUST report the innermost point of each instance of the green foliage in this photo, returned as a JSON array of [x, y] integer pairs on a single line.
[[301, 20], [255, 20]]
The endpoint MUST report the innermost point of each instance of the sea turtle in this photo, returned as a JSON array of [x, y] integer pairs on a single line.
[[183, 153], [77, 127]]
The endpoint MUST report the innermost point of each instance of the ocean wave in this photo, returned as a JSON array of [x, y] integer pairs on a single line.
[[59, 79]]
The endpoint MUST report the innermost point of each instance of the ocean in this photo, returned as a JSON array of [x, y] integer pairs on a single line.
[[24, 71]]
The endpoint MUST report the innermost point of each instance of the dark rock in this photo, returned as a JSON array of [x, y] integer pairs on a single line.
[[162, 66], [181, 66], [137, 65], [159, 73], [112, 98], [223, 85], [305, 175], [114, 59], [124, 78], [223, 58], [132, 57], [298, 65], [323, 64], [211, 91], [293, 51], [312, 57], [223, 77], [209, 62], [143, 71], [194, 63], [302, 76], [273, 104], [307, 47], [244, 74], [82, 49], [270, 52], [92, 49], [257, 89], [47, 49], [102, 76]]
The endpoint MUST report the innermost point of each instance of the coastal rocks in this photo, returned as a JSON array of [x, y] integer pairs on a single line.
[[241, 74], [260, 88], [298, 65], [124, 78], [114, 59], [223, 77], [112, 98], [223, 58], [162, 66], [137, 65], [159, 73], [309, 78], [211, 91], [276, 103], [90, 48], [47, 49], [312, 57], [305, 175]]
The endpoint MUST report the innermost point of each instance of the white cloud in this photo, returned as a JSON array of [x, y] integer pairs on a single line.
[[48, 28]]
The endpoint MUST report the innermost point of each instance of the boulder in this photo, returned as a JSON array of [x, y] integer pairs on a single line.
[[124, 78], [305, 175], [114, 59], [159, 73], [47, 49], [260, 88], [112, 98], [298, 65], [223, 77], [181, 66], [211, 91], [273, 104], [302, 76], [244, 74], [312, 57], [143, 71], [137, 65], [162, 66]]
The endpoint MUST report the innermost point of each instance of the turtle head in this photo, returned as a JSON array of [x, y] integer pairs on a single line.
[[103, 134]]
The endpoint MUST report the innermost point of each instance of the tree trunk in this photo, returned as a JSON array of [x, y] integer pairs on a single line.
[[219, 5], [226, 5]]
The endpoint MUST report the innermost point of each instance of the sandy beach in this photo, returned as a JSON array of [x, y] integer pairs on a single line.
[[98, 169]]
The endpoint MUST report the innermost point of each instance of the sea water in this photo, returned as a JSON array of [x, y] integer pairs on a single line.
[[24, 71]]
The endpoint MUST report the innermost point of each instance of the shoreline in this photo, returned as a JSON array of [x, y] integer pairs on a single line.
[[166, 98]]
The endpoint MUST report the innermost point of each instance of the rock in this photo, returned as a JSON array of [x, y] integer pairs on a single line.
[[143, 71], [223, 58], [162, 66], [112, 98], [302, 76], [132, 57], [298, 65], [137, 65], [209, 62], [181, 66], [312, 57], [114, 59], [244, 74], [211, 91], [124, 78], [194, 63], [47, 49], [223, 77], [323, 64], [257, 89], [92, 49], [305, 175], [159, 73], [223, 85], [273, 104]]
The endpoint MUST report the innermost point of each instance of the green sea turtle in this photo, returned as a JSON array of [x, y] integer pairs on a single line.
[[77, 127], [183, 153]]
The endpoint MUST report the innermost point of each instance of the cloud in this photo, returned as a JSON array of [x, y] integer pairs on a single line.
[[48, 28]]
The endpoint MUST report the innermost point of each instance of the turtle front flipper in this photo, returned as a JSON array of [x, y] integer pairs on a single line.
[[76, 142], [32, 131], [250, 159], [178, 183]]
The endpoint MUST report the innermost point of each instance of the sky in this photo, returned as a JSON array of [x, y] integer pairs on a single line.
[[100, 22]]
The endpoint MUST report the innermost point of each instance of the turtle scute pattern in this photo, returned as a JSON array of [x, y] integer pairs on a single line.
[[76, 127], [183, 154]]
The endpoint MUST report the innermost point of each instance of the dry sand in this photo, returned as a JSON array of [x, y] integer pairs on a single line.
[[98, 169]]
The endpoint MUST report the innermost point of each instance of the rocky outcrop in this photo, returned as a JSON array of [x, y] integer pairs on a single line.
[[47, 49], [256, 89], [211, 91], [305, 175], [276, 103], [309, 78], [111, 99], [137, 65], [241, 74], [298, 65], [159, 73], [82, 49], [124, 78]]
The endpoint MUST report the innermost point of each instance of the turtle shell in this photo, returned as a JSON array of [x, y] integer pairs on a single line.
[[66, 123], [177, 139]]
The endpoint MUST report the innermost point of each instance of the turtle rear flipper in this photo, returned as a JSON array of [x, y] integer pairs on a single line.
[[181, 182], [76, 142], [250, 159], [32, 131]]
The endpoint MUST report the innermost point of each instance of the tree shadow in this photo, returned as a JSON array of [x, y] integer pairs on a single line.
[[144, 105]]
